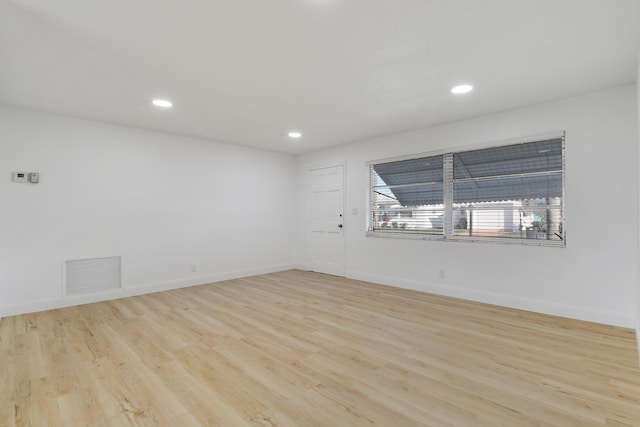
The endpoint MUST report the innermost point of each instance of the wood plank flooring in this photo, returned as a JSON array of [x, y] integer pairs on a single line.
[[304, 349]]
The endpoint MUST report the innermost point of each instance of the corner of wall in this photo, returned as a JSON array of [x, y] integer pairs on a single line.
[[638, 177]]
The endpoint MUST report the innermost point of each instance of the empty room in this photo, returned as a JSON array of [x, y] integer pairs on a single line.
[[319, 213]]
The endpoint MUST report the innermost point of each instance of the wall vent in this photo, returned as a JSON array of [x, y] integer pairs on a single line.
[[86, 276]]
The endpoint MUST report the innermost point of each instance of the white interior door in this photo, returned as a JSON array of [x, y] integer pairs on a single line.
[[326, 220]]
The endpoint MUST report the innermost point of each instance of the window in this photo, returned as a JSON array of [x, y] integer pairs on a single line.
[[407, 196], [510, 193]]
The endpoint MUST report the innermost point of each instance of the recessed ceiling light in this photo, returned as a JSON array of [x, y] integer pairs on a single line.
[[294, 135], [162, 103], [462, 89]]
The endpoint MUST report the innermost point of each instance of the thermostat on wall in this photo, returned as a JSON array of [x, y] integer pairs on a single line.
[[20, 177]]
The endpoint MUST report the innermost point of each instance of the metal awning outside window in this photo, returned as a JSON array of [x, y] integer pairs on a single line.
[[530, 170]]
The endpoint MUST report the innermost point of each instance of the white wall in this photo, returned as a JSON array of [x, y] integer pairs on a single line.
[[638, 264], [165, 201], [593, 278], [160, 201]]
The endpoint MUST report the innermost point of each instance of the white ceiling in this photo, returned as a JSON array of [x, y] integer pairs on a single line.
[[249, 71]]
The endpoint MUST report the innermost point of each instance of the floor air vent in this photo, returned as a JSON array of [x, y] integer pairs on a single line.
[[86, 276]]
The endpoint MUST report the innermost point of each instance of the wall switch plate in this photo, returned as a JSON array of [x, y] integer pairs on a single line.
[[34, 177], [20, 177]]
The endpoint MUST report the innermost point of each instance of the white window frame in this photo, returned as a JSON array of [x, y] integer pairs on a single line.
[[448, 234]]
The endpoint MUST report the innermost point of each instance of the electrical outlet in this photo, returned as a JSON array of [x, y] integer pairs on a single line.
[[194, 268], [442, 274]]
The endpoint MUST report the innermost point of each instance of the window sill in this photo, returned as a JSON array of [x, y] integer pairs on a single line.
[[417, 236]]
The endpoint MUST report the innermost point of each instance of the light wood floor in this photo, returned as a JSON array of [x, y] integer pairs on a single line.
[[304, 349]]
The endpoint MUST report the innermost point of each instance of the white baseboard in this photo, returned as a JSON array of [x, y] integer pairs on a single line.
[[302, 266], [133, 290], [638, 337], [528, 304], [539, 306]]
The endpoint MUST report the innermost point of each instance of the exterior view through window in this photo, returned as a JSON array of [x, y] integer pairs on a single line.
[[511, 193]]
